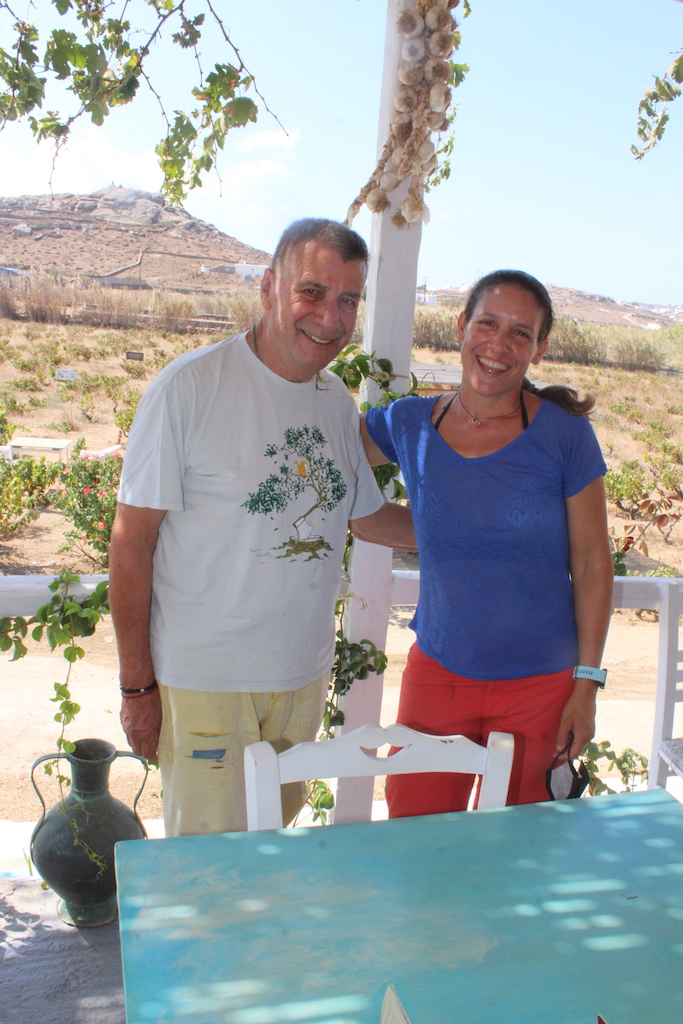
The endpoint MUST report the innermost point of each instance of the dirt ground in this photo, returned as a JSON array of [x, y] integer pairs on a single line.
[[27, 685]]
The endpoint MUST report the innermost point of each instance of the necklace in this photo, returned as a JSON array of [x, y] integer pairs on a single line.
[[253, 335], [476, 420]]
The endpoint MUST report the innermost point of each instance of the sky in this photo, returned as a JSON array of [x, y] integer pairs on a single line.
[[542, 174]]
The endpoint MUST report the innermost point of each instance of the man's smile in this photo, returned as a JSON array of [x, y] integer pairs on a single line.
[[318, 341]]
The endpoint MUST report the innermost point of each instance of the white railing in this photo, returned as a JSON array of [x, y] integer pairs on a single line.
[[23, 595], [662, 595]]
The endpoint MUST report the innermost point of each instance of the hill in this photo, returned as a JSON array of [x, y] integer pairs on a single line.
[[91, 235], [95, 234], [589, 308]]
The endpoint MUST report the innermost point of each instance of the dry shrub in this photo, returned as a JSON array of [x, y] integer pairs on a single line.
[[638, 354], [244, 308], [47, 301], [571, 342], [9, 303], [110, 307], [172, 311], [603, 345], [436, 327]]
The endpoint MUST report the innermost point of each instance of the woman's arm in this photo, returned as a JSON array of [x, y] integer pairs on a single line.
[[373, 453], [592, 572]]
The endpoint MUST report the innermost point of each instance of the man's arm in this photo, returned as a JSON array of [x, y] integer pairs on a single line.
[[391, 525], [373, 452], [133, 540]]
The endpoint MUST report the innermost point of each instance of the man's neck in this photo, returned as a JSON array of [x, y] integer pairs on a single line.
[[258, 343]]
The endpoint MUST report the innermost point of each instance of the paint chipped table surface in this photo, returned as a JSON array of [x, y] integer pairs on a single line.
[[544, 914]]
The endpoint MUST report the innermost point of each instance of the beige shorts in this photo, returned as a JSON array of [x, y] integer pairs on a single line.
[[201, 751]]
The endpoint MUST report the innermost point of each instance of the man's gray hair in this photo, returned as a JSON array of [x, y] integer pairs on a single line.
[[344, 241]]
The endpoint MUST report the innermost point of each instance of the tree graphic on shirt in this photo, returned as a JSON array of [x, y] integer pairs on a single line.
[[303, 468]]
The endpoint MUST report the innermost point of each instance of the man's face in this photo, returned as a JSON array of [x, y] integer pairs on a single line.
[[310, 305]]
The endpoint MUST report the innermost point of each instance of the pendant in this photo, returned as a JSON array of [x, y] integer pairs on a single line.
[[474, 421]]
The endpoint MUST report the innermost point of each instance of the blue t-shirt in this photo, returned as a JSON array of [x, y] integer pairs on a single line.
[[496, 599]]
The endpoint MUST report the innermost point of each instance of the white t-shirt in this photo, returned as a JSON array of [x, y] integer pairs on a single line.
[[260, 477]]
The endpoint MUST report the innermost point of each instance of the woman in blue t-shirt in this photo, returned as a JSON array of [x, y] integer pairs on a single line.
[[506, 490]]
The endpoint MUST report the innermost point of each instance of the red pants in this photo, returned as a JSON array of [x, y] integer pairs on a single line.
[[439, 702]]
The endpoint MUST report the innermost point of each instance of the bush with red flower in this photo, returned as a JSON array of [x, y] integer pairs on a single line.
[[88, 500]]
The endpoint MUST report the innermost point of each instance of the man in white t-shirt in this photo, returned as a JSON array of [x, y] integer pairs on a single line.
[[243, 469]]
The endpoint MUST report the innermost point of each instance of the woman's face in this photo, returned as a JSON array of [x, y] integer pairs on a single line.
[[500, 341]]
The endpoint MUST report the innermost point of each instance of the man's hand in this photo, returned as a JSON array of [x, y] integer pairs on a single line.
[[141, 721], [578, 717]]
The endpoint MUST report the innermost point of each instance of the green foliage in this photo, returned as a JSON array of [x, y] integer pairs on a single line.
[[88, 500], [62, 426], [6, 428], [23, 491], [632, 767], [628, 407], [320, 799], [649, 502], [61, 620], [666, 466], [102, 64], [626, 488], [123, 418], [655, 510], [12, 635], [135, 368], [354, 366], [661, 572], [351, 661], [652, 109]]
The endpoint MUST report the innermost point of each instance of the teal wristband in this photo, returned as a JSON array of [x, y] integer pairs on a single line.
[[598, 675]]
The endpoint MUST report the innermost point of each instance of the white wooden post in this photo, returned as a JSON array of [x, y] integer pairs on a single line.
[[389, 313]]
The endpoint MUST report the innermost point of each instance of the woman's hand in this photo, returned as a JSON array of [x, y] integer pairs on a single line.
[[578, 717]]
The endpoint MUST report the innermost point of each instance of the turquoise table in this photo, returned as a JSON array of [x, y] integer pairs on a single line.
[[544, 914]]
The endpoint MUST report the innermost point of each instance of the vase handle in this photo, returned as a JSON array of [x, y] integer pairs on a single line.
[[39, 760], [143, 760]]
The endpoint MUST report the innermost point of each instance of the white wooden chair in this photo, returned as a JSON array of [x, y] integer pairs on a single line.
[[667, 749], [102, 454], [671, 752], [353, 754]]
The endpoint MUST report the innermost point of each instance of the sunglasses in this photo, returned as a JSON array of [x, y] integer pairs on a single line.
[[564, 781]]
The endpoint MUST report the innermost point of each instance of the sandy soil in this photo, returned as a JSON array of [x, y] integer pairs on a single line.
[[29, 729], [26, 686]]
